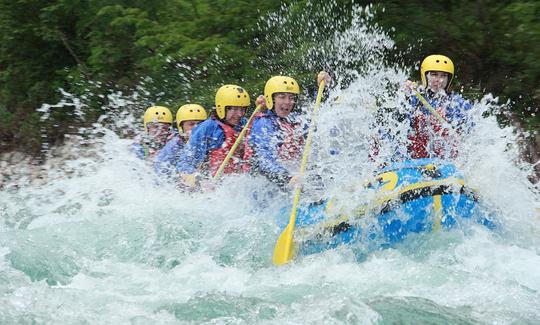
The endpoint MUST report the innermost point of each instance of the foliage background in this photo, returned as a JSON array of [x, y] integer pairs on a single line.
[[174, 51]]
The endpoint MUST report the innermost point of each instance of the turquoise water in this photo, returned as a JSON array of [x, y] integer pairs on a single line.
[[109, 247]]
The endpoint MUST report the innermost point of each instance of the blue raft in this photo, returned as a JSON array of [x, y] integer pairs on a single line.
[[411, 197]]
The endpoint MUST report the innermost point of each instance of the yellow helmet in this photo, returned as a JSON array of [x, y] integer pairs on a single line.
[[230, 95], [437, 62], [190, 112], [159, 114], [279, 84]]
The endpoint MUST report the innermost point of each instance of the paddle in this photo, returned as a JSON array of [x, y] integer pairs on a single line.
[[235, 145], [434, 112], [283, 249]]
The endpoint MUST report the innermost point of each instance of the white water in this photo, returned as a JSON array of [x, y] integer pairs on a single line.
[[107, 246]]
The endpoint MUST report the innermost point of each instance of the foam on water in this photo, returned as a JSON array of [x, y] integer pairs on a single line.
[[106, 245]]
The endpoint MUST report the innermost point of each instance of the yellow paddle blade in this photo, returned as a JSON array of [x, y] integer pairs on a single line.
[[283, 250]]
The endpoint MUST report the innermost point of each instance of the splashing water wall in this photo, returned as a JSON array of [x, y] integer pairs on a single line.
[[100, 243]]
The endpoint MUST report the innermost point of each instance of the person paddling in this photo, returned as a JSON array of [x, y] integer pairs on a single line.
[[276, 139], [157, 125], [211, 140], [187, 118], [433, 134]]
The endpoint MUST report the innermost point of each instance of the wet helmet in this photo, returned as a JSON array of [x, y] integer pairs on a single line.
[[190, 112], [230, 95], [279, 84], [158, 114], [437, 62]]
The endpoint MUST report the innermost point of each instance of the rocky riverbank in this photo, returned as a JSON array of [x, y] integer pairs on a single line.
[[19, 169]]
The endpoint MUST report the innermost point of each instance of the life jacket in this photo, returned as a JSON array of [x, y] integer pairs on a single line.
[[216, 156], [429, 138], [292, 142]]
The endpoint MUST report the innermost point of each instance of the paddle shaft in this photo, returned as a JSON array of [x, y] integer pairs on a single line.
[[235, 145], [283, 250], [433, 111]]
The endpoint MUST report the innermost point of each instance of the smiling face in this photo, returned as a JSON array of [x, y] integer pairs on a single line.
[[437, 80], [234, 114], [284, 103]]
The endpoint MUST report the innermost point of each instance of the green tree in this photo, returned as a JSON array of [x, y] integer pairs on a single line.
[[181, 51]]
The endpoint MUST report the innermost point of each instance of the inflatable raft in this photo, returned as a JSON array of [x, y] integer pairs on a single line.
[[415, 196]]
